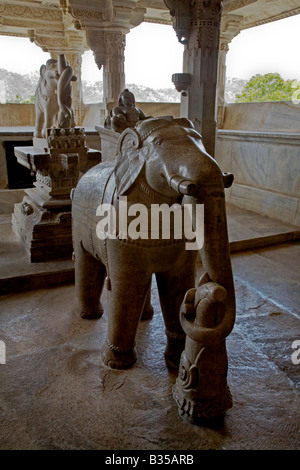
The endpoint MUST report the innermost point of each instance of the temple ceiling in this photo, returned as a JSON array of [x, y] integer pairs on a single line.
[[62, 24]]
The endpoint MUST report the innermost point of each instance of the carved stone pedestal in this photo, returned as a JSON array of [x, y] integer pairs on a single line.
[[42, 220], [201, 390]]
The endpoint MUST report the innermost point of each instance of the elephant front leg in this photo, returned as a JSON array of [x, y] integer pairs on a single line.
[[89, 279], [172, 287]]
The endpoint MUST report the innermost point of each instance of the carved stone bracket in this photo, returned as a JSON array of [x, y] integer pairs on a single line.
[[181, 15], [181, 81]]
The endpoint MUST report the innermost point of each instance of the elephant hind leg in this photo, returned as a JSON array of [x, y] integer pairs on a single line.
[[89, 280]]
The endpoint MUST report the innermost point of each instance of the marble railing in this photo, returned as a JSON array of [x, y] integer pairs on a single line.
[[279, 116], [15, 114], [266, 168]]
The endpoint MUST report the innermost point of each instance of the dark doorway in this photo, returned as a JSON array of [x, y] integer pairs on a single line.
[[18, 176]]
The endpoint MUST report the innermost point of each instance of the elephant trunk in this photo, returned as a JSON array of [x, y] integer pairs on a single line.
[[215, 253], [216, 263]]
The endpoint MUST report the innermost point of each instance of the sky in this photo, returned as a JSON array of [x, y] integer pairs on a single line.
[[153, 54]]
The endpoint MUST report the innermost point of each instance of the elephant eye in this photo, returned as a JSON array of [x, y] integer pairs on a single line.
[[157, 140]]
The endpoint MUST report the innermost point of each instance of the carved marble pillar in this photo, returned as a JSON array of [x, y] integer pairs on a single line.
[[230, 27], [75, 61], [221, 83], [108, 47], [197, 25]]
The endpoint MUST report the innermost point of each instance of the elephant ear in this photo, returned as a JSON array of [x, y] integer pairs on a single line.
[[130, 160], [184, 122]]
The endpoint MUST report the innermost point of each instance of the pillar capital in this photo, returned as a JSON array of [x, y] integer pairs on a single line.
[[106, 45], [231, 26], [194, 21]]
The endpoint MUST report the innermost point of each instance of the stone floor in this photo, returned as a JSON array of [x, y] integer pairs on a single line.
[[55, 394]]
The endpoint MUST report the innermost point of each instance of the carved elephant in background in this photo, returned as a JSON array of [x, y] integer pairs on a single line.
[[160, 161], [46, 105]]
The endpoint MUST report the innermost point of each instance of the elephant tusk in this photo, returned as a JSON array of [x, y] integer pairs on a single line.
[[182, 185], [228, 179]]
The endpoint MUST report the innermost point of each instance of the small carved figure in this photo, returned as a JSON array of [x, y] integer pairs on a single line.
[[81, 137], [52, 139], [201, 389], [27, 208], [126, 114]]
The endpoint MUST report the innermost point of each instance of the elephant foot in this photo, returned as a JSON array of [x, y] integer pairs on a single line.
[[114, 358], [174, 348], [92, 313], [148, 313]]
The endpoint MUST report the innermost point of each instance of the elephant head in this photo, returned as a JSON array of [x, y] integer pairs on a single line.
[[176, 165]]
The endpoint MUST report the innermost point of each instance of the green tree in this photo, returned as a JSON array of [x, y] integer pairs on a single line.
[[268, 87], [20, 100]]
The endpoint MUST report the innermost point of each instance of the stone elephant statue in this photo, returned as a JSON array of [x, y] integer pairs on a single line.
[[46, 105], [160, 163]]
